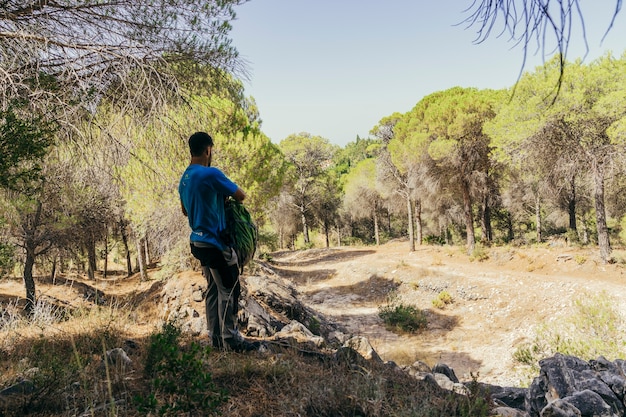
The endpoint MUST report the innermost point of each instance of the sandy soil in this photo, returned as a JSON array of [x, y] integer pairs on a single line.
[[497, 303]]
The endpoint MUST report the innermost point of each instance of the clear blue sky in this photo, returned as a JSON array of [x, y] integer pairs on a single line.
[[335, 68]]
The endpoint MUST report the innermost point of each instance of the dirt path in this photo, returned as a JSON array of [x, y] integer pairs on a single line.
[[497, 303]]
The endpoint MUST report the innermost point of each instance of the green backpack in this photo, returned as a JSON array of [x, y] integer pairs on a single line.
[[241, 232]]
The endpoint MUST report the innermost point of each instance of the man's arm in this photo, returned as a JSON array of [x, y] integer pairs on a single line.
[[239, 195], [183, 208]]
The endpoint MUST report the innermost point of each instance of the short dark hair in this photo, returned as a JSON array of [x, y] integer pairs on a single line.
[[198, 142]]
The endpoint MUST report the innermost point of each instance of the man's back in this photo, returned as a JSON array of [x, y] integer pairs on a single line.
[[202, 192]]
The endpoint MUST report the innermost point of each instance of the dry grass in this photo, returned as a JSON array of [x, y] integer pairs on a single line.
[[57, 358], [71, 378], [62, 353]]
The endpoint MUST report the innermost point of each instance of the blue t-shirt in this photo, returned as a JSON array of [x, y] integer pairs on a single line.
[[202, 192]]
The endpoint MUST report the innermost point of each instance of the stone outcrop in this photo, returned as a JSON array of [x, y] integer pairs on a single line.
[[267, 304], [566, 387]]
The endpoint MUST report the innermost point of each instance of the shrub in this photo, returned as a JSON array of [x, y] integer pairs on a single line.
[[479, 254], [6, 259], [401, 317], [179, 378], [443, 299], [267, 241], [314, 325], [434, 240]]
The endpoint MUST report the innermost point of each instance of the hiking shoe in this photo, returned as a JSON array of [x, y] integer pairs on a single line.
[[217, 345], [244, 346]]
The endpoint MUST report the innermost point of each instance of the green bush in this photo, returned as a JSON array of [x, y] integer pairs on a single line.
[[179, 377], [401, 317], [267, 241], [6, 259], [434, 240]]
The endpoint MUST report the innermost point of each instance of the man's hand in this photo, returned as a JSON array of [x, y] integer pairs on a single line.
[[239, 195]]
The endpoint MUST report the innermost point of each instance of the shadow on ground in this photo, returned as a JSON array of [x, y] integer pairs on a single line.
[[315, 256]]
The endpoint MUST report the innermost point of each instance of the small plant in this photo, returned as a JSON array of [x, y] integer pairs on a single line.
[[436, 261], [7, 260], [402, 317], [580, 259], [179, 378], [477, 402], [266, 256], [402, 264], [314, 325], [443, 299], [434, 240], [479, 254]]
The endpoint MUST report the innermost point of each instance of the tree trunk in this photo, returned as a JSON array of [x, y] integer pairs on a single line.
[[30, 246], [146, 248], [91, 256], [376, 231], [327, 233], [469, 218], [509, 226], [409, 207], [129, 266], [53, 273], [141, 262], [538, 218], [571, 206], [29, 280], [485, 220], [419, 232], [106, 251], [603, 231], [305, 227]]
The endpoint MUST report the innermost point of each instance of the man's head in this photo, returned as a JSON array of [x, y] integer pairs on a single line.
[[200, 146], [199, 142]]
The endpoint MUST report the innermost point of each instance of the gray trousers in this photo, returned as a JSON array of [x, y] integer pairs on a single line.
[[221, 307], [222, 298]]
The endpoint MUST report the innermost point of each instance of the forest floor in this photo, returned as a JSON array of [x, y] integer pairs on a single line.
[[497, 303]]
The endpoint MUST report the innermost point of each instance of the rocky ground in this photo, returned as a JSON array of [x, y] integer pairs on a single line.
[[497, 302]]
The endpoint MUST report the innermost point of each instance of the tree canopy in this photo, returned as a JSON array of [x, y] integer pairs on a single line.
[[90, 48]]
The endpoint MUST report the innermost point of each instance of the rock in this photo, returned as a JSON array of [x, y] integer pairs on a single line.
[[118, 358], [511, 397], [590, 404], [442, 368], [363, 347], [21, 388], [417, 368], [560, 408], [300, 333], [446, 383], [509, 412]]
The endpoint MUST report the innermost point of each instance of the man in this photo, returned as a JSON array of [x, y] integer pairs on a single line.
[[203, 190]]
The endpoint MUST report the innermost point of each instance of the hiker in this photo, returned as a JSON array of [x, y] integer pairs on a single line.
[[203, 190]]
